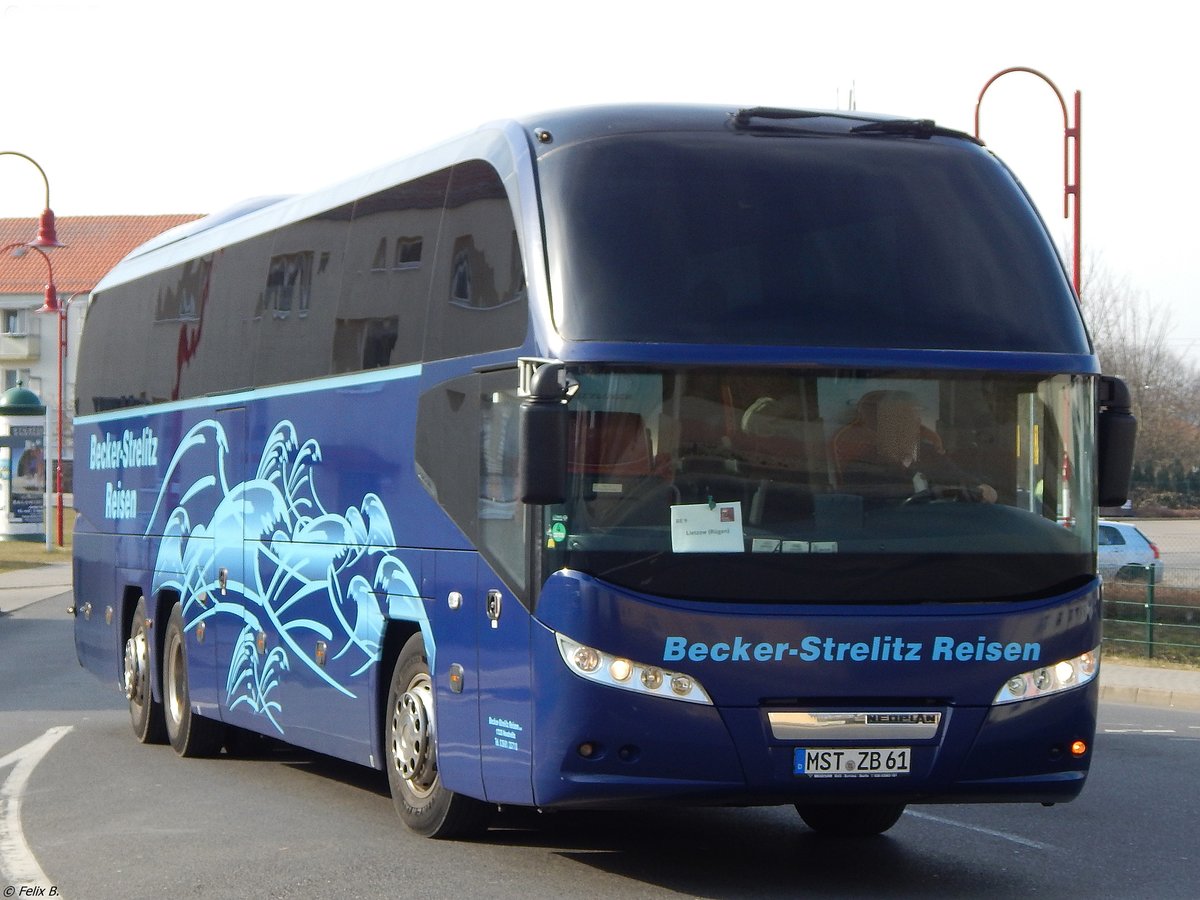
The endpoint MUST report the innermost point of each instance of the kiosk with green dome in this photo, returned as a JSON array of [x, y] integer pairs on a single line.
[[22, 465]]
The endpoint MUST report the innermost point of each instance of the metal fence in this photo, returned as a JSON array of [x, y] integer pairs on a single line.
[[1157, 616]]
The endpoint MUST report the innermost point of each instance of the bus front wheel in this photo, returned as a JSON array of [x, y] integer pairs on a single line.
[[422, 802], [851, 820]]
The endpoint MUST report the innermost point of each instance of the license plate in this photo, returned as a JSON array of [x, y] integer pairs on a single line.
[[852, 762]]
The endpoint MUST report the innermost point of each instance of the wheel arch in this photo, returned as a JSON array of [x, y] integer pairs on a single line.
[[395, 636]]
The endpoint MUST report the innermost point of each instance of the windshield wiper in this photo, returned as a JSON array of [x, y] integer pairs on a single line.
[[742, 118], [922, 128]]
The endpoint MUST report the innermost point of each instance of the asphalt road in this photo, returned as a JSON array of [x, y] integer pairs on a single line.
[[101, 816]]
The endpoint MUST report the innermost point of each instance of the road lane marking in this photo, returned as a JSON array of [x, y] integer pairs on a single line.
[[17, 862], [1003, 835]]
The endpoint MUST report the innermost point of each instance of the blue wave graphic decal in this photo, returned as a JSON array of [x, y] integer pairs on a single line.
[[306, 574], [249, 683]]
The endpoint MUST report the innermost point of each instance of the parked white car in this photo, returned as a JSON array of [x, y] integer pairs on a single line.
[[1125, 554]]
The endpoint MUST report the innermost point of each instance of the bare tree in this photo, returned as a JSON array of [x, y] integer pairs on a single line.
[[1131, 337]]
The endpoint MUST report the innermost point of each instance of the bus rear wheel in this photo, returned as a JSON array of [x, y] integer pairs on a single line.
[[850, 820], [422, 802], [145, 713], [190, 734]]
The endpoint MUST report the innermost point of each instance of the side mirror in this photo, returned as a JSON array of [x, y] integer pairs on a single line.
[[542, 477], [1116, 436]]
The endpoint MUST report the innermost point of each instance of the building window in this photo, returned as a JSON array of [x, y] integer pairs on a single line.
[[460, 278], [379, 262], [13, 321], [289, 284], [408, 253]]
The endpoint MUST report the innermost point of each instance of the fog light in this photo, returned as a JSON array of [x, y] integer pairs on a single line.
[[1078, 748]]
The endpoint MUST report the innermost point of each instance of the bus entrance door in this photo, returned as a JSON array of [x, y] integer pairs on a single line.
[[455, 651], [505, 700], [483, 728]]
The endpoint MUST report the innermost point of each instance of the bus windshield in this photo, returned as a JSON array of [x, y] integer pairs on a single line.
[[828, 486], [799, 240]]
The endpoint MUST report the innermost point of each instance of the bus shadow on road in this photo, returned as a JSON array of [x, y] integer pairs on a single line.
[[713, 852], [730, 852]]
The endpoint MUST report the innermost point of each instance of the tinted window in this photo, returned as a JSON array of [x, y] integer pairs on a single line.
[[183, 332], [357, 287], [297, 297], [381, 311], [466, 456], [478, 301], [848, 241]]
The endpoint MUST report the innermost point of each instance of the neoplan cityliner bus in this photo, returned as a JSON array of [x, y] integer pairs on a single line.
[[612, 457]]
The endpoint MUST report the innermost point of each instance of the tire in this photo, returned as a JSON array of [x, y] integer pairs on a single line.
[[851, 820], [190, 734], [1134, 573], [410, 754], [145, 713]]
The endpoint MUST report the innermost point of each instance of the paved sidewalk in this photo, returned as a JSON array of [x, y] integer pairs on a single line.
[[21, 587], [1120, 682]]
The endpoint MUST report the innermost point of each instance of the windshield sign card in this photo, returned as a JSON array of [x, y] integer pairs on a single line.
[[707, 528]]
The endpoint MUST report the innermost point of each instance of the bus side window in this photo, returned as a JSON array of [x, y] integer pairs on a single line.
[[501, 520], [466, 456], [478, 300], [380, 315], [301, 275]]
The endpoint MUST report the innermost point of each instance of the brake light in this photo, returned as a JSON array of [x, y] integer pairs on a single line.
[[1154, 547]]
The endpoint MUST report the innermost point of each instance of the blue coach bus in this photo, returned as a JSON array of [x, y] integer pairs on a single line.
[[615, 457]]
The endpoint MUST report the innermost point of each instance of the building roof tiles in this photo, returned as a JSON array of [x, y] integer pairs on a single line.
[[94, 244]]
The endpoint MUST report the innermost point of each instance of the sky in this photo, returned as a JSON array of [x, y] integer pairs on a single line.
[[188, 107]]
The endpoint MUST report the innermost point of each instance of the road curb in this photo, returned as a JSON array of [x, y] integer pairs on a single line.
[[1148, 696]]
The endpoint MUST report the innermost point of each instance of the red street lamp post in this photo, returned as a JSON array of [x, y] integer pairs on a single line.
[[53, 306], [51, 293], [1069, 135], [47, 235]]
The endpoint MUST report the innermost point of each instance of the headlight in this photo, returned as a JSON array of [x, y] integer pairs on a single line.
[[1050, 679], [619, 672]]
